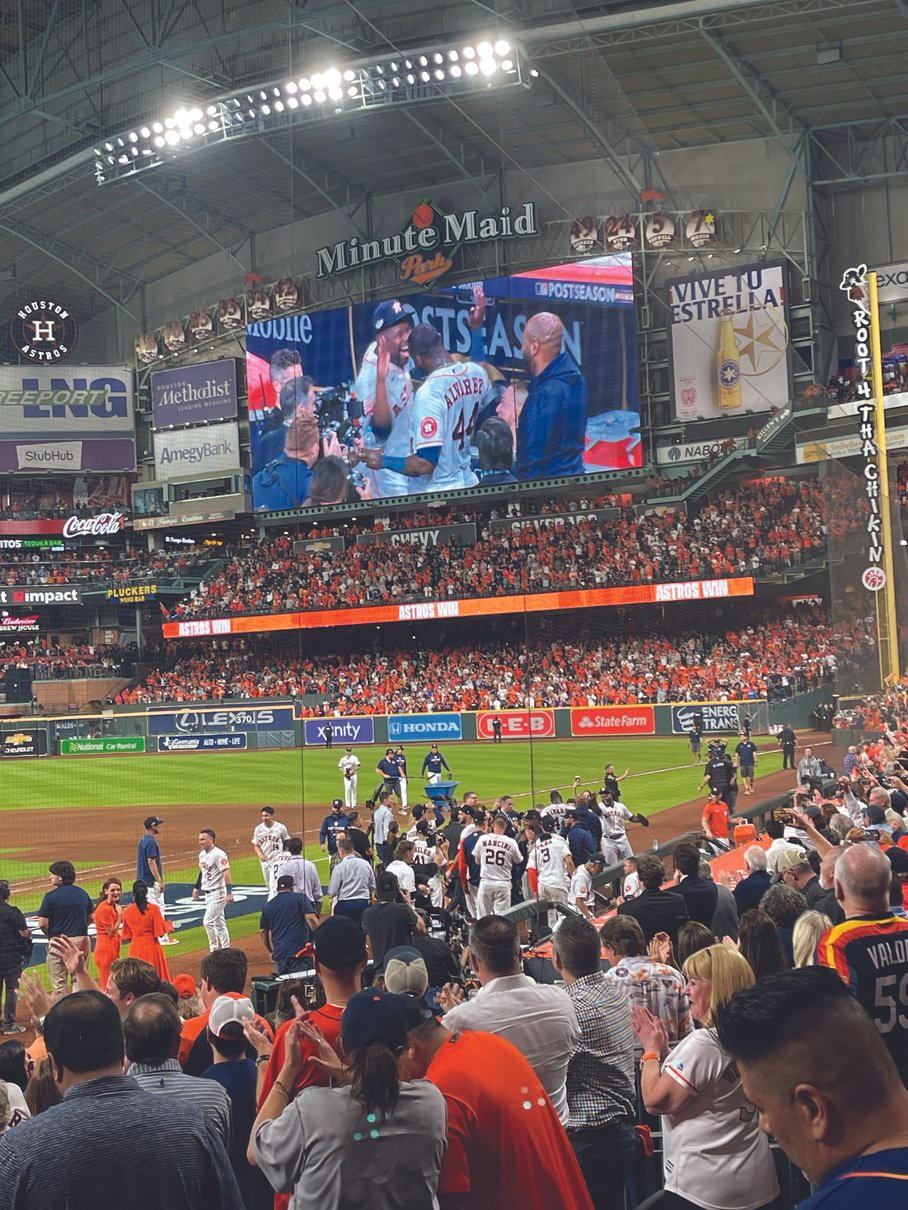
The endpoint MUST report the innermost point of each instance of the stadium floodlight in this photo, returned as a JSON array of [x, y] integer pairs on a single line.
[[426, 74]]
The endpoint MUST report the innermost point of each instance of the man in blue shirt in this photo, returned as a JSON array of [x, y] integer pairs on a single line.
[[333, 824], [746, 760], [824, 1085], [149, 867], [66, 911], [287, 924], [552, 426], [432, 765], [389, 771], [579, 838]]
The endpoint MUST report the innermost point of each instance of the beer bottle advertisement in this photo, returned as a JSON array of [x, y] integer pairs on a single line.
[[729, 342]]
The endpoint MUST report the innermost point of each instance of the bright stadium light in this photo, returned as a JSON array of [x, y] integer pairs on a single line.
[[424, 75]]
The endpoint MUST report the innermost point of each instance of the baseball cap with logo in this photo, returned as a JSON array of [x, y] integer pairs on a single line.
[[338, 802], [788, 857], [285, 882], [374, 1016], [226, 1009], [405, 972], [152, 821], [391, 312], [339, 943], [387, 887]]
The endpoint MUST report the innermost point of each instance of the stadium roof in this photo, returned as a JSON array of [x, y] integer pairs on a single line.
[[620, 82]]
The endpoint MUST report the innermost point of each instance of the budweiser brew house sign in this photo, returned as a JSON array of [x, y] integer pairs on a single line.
[[102, 526]]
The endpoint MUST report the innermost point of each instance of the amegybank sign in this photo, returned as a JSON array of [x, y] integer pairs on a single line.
[[216, 447]]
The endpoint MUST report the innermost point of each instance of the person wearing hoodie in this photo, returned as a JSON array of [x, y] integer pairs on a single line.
[[552, 423]]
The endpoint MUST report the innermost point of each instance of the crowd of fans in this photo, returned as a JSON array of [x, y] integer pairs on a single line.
[[798, 650], [759, 528], [100, 565]]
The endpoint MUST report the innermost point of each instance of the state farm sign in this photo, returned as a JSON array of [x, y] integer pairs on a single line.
[[101, 526], [517, 724], [613, 720]]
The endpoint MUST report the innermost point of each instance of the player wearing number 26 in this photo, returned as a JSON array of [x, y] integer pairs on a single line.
[[870, 950], [552, 424]]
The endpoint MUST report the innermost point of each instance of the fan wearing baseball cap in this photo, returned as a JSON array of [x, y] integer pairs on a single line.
[[386, 390], [376, 1141], [339, 951]]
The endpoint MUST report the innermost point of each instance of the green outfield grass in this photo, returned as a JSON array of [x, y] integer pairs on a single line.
[[661, 775]]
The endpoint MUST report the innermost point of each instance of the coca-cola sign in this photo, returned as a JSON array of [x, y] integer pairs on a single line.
[[103, 525]]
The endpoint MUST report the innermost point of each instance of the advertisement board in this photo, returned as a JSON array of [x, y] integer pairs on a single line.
[[345, 731], [517, 724], [697, 451], [324, 363], [430, 727], [464, 533], [718, 717], [425, 611], [218, 719], [104, 745], [201, 743], [587, 721], [728, 336], [59, 594], [66, 419], [24, 742], [214, 447], [194, 394], [132, 594]]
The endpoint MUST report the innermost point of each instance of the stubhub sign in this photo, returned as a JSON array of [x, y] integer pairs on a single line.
[[430, 727]]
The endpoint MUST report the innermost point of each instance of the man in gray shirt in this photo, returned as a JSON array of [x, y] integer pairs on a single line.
[[152, 1031], [88, 1147], [352, 882]]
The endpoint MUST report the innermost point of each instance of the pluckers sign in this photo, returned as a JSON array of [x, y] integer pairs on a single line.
[[854, 285], [425, 246]]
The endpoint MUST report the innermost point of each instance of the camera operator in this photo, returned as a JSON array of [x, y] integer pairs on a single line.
[[334, 483], [297, 396], [390, 921]]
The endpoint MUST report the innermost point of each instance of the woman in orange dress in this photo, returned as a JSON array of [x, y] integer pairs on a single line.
[[143, 924], [108, 919]]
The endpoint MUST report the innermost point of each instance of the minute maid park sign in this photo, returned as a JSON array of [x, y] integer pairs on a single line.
[[425, 247]]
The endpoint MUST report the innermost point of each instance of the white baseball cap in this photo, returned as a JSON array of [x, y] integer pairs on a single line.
[[226, 1009]]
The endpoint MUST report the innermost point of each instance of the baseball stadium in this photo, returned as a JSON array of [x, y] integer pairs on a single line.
[[452, 471]]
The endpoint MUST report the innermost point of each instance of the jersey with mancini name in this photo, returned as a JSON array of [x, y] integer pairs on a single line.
[[871, 955], [444, 416], [495, 855], [400, 399]]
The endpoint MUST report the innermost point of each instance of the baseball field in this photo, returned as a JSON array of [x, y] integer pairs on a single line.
[[89, 810]]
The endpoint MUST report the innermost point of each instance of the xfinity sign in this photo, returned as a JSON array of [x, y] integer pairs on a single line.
[[344, 731]]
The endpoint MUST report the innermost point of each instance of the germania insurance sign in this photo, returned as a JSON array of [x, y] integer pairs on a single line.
[[44, 331]]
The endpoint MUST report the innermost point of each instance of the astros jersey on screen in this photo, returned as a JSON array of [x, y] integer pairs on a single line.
[[400, 400], [444, 416]]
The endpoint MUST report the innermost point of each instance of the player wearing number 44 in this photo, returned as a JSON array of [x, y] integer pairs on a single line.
[[442, 419]]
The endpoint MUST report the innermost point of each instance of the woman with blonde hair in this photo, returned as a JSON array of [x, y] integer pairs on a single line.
[[808, 929], [715, 1154]]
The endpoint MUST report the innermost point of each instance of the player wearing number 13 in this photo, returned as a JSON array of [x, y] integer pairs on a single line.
[[495, 854], [870, 950]]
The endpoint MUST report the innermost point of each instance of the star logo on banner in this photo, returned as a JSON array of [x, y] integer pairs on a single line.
[[762, 340]]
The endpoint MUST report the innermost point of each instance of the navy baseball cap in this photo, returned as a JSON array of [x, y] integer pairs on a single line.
[[152, 821], [374, 1016], [339, 943], [390, 313]]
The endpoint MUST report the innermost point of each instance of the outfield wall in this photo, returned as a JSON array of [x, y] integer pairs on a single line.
[[173, 728]]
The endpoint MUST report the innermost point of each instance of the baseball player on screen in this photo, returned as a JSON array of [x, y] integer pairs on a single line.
[[383, 384], [442, 418]]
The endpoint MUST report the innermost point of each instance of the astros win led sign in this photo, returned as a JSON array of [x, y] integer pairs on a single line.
[[428, 231]]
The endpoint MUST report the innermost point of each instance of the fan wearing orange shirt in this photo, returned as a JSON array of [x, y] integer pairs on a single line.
[[143, 924], [108, 919]]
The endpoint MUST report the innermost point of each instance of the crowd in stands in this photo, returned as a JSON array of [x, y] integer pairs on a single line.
[[100, 565], [48, 661], [799, 648], [759, 528]]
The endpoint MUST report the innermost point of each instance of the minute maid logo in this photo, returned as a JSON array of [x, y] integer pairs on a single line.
[[425, 246]]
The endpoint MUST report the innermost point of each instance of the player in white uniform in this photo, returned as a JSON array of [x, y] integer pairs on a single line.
[[214, 883], [496, 854], [384, 386], [615, 844], [550, 867], [583, 896], [268, 841], [349, 766]]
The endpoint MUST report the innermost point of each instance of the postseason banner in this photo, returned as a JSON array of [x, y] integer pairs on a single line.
[[332, 354], [729, 342]]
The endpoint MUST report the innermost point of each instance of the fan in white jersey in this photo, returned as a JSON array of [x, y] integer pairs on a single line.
[[214, 883], [496, 854], [268, 841], [384, 387], [443, 417]]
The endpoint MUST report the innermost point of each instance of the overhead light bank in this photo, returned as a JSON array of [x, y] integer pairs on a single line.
[[394, 79]]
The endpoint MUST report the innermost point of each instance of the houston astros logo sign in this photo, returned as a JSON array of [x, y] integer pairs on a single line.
[[43, 330]]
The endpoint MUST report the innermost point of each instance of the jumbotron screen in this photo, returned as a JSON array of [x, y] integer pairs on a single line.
[[515, 379]]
